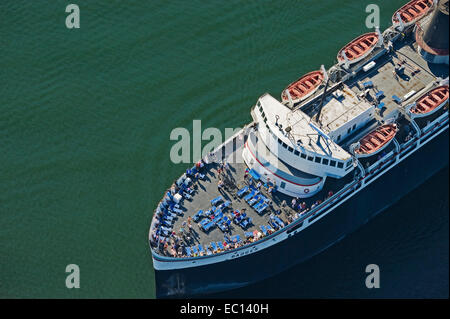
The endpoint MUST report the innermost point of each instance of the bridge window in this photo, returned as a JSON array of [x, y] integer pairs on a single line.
[[340, 165], [303, 155], [283, 185], [290, 149], [318, 159], [333, 163], [296, 152], [310, 158], [325, 161], [284, 144]]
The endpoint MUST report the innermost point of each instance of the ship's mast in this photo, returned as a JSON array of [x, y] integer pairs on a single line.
[[327, 79]]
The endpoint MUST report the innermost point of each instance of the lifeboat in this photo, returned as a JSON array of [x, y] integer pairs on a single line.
[[430, 102], [376, 140], [412, 11], [303, 87], [359, 48]]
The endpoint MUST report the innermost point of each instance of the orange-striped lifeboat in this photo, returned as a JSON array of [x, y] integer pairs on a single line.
[[376, 140], [359, 48], [303, 87], [430, 102], [412, 11]]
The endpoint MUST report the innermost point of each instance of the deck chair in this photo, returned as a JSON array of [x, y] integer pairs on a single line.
[[188, 251], [397, 99], [214, 247], [262, 208], [200, 249], [208, 226], [216, 200], [253, 200], [250, 195], [198, 215], [242, 191], [194, 250], [263, 229]]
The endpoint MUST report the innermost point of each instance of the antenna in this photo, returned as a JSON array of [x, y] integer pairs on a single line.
[[323, 94], [400, 21], [380, 37], [291, 103]]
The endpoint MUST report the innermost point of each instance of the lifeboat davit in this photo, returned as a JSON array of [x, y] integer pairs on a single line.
[[303, 87], [430, 102], [359, 48], [376, 140], [412, 11]]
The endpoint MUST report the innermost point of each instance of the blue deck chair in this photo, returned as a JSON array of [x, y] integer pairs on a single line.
[[223, 227], [204, 222], [194, 250], [186, 195], [262, 208], [263, 229], [216, 200], [379, 94], [258, 204], [208, 226], [214, 247], [279, 221], [368, 84], [166, 223], [218, 213], [380, 106], [250, 195], [219, 243], [218, 219], [188, 251], [273, 224], [178, 211], [238, 238], [246, 222], [198, 215], [166, 228], [242, 191], [253, 200], [248, 234], [200, 249], [227, 239], [397, 99], [225, 205]]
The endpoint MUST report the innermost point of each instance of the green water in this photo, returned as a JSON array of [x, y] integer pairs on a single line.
[[86, 116]]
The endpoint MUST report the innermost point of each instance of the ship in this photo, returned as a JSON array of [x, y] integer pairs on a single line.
[[340, 147]]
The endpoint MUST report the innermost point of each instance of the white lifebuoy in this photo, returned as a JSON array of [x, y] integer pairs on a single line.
[[306, 190]]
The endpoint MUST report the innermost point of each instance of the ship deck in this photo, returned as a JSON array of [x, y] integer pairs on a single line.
[[206, 190]]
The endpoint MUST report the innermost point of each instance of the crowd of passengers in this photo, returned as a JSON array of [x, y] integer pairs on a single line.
[[175, 244]]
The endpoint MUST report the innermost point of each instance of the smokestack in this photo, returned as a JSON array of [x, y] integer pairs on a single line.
[[432, 37]]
